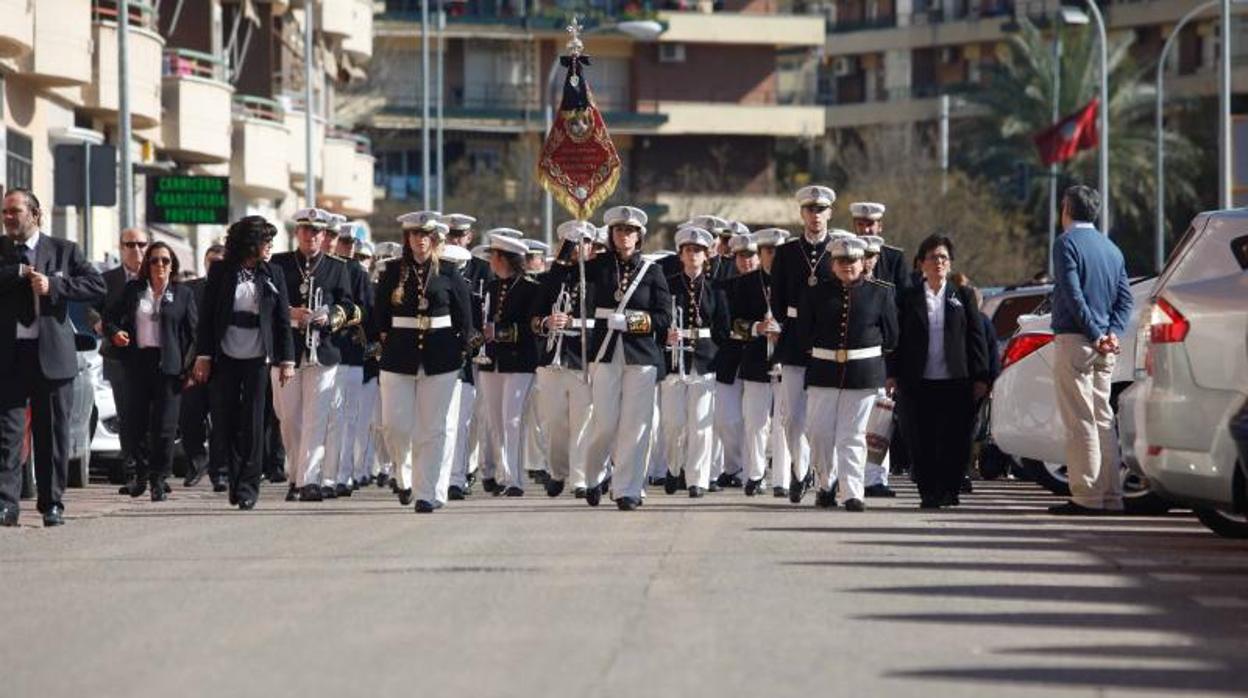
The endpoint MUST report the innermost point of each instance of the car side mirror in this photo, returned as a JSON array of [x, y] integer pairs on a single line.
[[85, 342]]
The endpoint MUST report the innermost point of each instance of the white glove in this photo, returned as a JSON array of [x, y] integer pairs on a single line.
[[617, 322]]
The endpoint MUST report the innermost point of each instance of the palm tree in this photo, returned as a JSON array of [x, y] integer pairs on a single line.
[[1016, 102]]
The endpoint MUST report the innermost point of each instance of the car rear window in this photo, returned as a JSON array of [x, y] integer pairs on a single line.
[[1239, 248], [1005, 321]]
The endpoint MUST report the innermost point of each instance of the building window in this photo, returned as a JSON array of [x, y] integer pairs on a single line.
[[19, 165]]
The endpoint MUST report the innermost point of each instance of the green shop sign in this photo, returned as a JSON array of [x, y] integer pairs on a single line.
[[188, 199]]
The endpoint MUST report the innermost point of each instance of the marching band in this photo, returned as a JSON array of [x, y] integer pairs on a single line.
[[745, 359]]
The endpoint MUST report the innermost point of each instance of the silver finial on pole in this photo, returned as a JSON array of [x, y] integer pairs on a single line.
[[575, 45]]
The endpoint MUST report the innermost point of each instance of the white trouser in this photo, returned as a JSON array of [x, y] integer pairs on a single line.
[[504, 395], [757, 432], [730, 434], [790, 417], [533, 439], [563, 406], [656, 458], [345, 422], [484, 441], [878, 474], [838, 432], [303, 406], [418, 414], [688, 407], [464, 435], [623, 403], [365, 442]]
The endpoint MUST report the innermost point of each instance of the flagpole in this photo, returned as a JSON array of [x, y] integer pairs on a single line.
[[1104, 113]]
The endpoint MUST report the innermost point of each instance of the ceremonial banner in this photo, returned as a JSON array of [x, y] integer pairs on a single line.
[[1061, 141], [579, 164]]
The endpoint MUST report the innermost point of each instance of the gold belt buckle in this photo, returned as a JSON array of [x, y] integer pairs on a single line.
[[842, 356], [422, 323]]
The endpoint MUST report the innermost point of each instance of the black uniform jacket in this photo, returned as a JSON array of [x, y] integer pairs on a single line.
[[744, 356], [407, 350], [114, 283], [331, 276], [70, 278], [706, 308], [858, 316], [966, 349], [648, 311], [352, 343], [560, 277], [791, 270], [216, 311], [723, 267], [893, 268], [179, 318], [514, 349]]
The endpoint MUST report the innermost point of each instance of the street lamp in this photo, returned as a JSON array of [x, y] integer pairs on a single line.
[[1074, 16], [641, 30]]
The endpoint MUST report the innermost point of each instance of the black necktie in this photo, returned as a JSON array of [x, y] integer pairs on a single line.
[[26, 309]]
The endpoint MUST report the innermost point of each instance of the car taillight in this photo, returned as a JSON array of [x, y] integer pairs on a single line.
[[1168, 324], [1023, 344]]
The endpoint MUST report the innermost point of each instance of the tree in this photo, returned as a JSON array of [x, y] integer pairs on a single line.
[[1016, 101]]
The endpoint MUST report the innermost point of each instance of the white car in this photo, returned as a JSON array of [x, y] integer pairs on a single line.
[[1192, 375], [1025, 421]]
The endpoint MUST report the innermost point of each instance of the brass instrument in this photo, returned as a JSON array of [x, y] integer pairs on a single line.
[[554, 341], [481, 359], [678, 349], [312, 334]]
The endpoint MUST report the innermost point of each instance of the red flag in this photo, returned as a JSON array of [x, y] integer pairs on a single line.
[[579, 164], [1076, 132]]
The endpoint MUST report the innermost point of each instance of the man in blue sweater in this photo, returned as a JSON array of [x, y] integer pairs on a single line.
[[1091, 307]]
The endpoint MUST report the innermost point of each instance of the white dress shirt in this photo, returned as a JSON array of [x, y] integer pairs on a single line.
[[30, 331], [244, 342], [936, 368], [147, 320]]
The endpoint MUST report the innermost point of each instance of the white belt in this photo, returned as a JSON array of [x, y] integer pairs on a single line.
[[700, 333], [420, 322], [841, 356], [577, 323], [604, 313], [792, 311]]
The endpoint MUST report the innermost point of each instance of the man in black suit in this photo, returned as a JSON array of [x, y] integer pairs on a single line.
[[193, 418], [134, 242], [38, 276]]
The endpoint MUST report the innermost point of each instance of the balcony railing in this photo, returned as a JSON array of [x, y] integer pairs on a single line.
[[363, 145], [142, 14], [861, 23], [186, 63], [249, 107]]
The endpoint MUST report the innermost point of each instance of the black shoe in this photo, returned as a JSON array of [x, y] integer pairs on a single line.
[[538, 476], [292, 493], [328, 492], [247, 504], [343, 490], [593, 495], [405, 497], [310, 493], [135, 488], [1072, 509], [627, 504], [779, 492], [554, 487], [455, 493], [657, 481], [394, 485], [696, 492], [195, 474], [382, 479], [425, 507], [825, 499], [355, 485], [54, 516], [671, 484], [855, 505], [968, 485], [713, 487], [277, 477], [797, 489], [726, 480], [954, 500], [514, 492], [159, 493], [490, 485], [9, 516], [219, 486], [753, 487], [579, 493], [880, 490], [681, 484]]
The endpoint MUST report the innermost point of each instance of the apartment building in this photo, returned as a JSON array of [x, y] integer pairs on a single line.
[[717, 112], [216, 88]]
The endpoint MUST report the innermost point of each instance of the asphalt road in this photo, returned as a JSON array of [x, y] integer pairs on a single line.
[[724, 596]]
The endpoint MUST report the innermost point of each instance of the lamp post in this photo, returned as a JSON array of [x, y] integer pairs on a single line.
[[1226, 172], [642, 30], [1104, 115], [1159, 241], [309, 109], [126, 210], [424, 101]]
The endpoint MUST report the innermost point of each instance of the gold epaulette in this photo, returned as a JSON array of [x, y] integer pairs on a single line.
[[638, 321], [742, 330]]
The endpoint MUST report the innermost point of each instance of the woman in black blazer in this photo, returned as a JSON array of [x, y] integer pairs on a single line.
[[938, 379], [152, 325]]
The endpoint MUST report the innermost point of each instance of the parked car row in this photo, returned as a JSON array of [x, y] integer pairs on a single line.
[[1179, 383]]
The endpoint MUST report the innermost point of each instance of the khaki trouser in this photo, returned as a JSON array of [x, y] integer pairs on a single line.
[[1081, 377]]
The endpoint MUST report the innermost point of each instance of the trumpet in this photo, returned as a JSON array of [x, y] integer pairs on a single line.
[[678, 349], [774, 371], [311, 334], [481, 359], [554, 342]]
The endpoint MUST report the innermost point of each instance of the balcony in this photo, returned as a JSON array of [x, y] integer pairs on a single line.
[[732, 119], [296, 144], [17, 31], [348, 180], [258, 166], [741, 28], [196, 125], [336, 18], [146, 49], [62, 44], [359, 43]]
